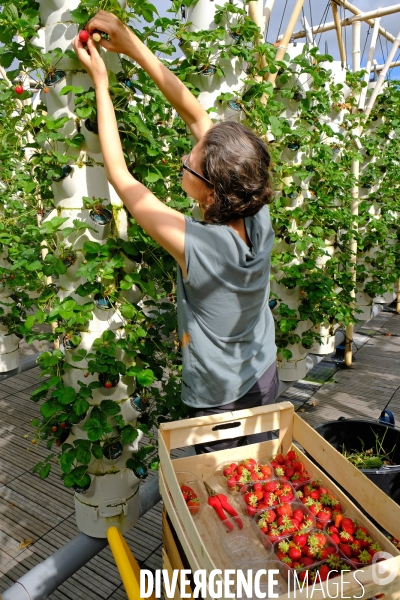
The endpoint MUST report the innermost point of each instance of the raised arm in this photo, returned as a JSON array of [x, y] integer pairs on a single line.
[[124, 41], [163, 224]]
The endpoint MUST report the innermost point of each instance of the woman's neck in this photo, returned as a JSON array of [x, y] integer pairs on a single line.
[[240, 228]]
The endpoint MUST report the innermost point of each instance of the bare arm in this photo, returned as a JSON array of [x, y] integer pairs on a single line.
[[163, 224], [124, 41]]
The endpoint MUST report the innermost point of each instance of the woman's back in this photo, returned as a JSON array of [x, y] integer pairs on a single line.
[[225, 324]]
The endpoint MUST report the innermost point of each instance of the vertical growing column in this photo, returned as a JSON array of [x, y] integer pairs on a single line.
[[99, 431], [9, 342]]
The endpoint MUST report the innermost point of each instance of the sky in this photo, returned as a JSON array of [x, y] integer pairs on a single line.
[[315, 13]]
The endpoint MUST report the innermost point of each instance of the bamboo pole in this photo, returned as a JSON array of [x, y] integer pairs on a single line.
[[287, 36], [382, 75], [355, 169], [371, 53], [338, 27], [254, 14], [398, 298]]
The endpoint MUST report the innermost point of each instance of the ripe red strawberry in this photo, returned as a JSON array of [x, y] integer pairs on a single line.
[[295, 553], [281, 555], [270, 486], [227, 472], [250, 498], [266, 471], [356, 547], [269, 516], [291, 455], [251, 510], [83, 36], [306, 561], [284, 510], [335, 538], [257, 487], [332, 529], [108, 384], [288, 497], [324, 572], [193, 505], [298, 466], [63, 425], [188, 492], [345, 537], [324, 515], [298, 514], [315, 495], [279, 458], [19, 89], [360, 530], [289, 472], [348, 525], [232, 483], [326, 552], [346, 549], [300, 539], [54, 429]]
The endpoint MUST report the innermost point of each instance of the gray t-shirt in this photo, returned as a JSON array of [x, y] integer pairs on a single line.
[[225, 324]]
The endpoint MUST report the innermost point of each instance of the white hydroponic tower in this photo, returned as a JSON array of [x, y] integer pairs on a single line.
[[112, 497]]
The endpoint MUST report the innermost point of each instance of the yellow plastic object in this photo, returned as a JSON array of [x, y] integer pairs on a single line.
[[126, 563]]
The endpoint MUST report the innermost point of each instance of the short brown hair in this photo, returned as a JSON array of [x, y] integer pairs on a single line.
[[236, 161]]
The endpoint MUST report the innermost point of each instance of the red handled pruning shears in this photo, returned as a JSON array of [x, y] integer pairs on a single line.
[[220, 503]]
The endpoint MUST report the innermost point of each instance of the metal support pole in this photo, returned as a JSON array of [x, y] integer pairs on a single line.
[[355, 169]]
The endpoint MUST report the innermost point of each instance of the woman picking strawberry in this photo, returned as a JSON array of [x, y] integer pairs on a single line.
[[225, 324]]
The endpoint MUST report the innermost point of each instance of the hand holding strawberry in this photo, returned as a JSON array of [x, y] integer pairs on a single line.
[[121, 39], [91, 60]]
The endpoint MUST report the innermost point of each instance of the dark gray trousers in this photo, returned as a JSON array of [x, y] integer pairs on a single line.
[[263, 392]]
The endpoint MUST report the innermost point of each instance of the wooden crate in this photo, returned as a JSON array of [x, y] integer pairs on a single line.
[[199, 536]]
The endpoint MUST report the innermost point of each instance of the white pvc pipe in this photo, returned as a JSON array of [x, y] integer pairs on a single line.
[[373, 14], [382, 75], [267, 12], [371, 53], [308, 30]]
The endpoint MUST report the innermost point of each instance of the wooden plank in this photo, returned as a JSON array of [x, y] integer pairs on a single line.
[[377, 504], [166, 564], [189, 432]]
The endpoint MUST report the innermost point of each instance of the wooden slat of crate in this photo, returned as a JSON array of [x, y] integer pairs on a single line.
[[200, 550], [374, 501]]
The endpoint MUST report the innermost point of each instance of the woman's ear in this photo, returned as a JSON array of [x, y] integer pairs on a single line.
[[209, 198]]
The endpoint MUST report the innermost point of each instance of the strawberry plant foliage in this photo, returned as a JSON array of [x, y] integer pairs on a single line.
[[311, 159]]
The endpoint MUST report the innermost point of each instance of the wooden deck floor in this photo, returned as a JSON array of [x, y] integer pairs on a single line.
[[42, 511]]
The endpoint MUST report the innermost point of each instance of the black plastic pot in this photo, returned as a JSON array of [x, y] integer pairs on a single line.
[[350, 433]]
